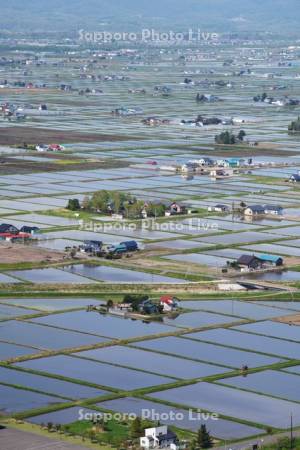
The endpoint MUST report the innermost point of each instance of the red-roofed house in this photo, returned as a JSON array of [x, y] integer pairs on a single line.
[[169, 303]]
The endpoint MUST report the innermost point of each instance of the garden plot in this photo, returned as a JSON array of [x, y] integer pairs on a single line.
[[48, 385], [221, 428], [95, 372], [279, 249], [237, 308], [108, 326], [273, 329], [16, 400], [249, 341], [9, 351], [269, 382], [234, 403], [50, 304], [49, 275], [44, 338], [151, 362], [117, 275], [211, 353]]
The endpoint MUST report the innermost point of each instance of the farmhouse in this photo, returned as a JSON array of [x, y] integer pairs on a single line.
[[273, 260], [249, 262], [219, 208], [160, 437], [169, 303], [231, 162], [174, 209], [205, 161], [258, 210], [275, 210], [295, 178], [29, 229], [254, 210], [8, 228]]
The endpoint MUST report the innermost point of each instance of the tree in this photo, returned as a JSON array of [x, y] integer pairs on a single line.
[[73, 253], [133, 209], [155, 210], [241, 135], [225, 138], [100, 201], [109, 304], [285, 443], [204, 439], [193, 445], [73, 204], [86, 203], [295, 125], [116, 198], [136, 429]]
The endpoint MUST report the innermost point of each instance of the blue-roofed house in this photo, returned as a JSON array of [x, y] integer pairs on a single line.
[[271, 259], [231, 162], [295, 178], [254, 210], [275, 210]]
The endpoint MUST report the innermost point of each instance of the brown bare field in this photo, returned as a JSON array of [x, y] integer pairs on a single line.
[[293, 319], [17, 135], [19, 253], [55, 164], [265, 149]]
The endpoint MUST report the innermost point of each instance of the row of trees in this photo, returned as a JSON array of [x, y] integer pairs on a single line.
[[108, 202], [135, 430], [228, 138]]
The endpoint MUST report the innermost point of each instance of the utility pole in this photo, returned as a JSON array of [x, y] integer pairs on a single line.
[[292, 439]]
